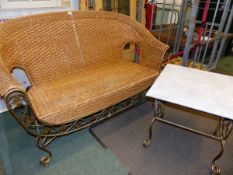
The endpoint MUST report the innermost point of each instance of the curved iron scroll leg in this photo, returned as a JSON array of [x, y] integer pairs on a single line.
[[223, 130], [148, 140], [215, 168], [40, 143], [158, 113]]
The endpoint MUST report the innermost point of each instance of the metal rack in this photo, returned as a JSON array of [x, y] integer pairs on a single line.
[[198, 42], [217, 35]]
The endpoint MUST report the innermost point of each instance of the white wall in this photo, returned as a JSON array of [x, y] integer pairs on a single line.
[[13, 13]]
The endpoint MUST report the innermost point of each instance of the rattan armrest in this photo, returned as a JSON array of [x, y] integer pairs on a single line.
[[152, 54], [152, 51], [8, 83]]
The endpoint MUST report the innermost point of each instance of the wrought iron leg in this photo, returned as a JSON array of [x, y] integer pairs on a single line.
[[158, 113], [223, 130], [215, 168], [42, 143], [217, 128], [148, 140], [221, 133]]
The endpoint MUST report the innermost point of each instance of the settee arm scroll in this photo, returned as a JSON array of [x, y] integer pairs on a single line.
[[152, 53], [11, 91], [15, 99], [8, 83]]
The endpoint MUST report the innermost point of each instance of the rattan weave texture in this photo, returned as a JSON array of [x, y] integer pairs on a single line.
[[88, 92], [74, 61]]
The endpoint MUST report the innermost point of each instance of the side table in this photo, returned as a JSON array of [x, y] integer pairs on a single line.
[[199, 90]]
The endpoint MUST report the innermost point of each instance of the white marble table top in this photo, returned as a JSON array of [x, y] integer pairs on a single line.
[[200, 90]]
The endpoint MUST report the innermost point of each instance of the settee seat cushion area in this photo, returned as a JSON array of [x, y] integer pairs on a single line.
[[77, 96]]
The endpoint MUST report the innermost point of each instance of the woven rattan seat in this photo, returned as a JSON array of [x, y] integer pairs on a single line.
[[88, 92], [77, 69]]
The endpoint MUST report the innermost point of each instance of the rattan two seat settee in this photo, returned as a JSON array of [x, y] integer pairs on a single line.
[[74, 61]]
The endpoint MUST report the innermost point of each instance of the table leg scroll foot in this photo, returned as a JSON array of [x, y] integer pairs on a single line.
[[148, 140], [146, 143], [158, 113], [215, 169]]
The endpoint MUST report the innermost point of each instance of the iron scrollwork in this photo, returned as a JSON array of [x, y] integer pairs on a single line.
[[158, 113], [220, 134], [20, 107]]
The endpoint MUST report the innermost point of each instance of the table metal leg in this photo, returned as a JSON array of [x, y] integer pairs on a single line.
[[158, 113], [215, 168], [223, 130], [148, 140], [217, 128], [220, 134]]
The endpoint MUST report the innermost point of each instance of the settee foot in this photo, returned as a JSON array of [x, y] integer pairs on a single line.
[[41, 144], [45, 160]]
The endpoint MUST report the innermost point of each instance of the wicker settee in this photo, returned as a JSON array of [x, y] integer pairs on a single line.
[[74, 63]]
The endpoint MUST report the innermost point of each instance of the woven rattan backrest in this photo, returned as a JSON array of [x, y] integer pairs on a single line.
[[102, 35], [105, 35], [51, 46], [43, 45]]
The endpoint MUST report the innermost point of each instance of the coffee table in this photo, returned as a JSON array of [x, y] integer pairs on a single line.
[[203, 91]]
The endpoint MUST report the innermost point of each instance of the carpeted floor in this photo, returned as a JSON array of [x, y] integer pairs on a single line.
[[225, 66], [76, 154], [172, 152]]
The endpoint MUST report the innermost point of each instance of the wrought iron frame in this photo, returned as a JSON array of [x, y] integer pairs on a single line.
[[220, 134], [21, 109]]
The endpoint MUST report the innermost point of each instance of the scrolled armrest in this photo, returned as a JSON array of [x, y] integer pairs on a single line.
[[16, 99], [7, 82], [152, 51], [19, 106]]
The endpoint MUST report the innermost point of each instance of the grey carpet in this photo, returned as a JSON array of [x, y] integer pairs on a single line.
[[76, 154], [172, 152]]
